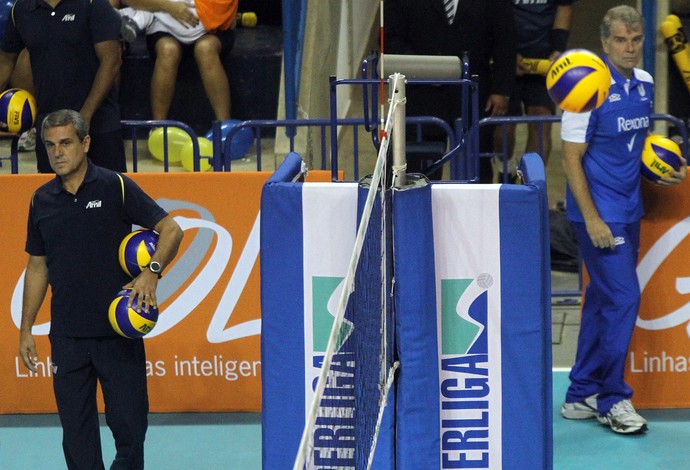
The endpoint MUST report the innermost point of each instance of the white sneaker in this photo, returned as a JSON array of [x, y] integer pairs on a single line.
[[27, 141], [584, 409], [623, 418]]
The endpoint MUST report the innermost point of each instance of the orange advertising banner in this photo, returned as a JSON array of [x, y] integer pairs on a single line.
[[204, 353], [658, 367]]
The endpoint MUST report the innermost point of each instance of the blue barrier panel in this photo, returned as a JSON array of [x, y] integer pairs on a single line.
[[307, 237], [490, 356], [417, 423], [472, 313]]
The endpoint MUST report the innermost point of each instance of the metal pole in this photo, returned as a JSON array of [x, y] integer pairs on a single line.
[[399, 165]]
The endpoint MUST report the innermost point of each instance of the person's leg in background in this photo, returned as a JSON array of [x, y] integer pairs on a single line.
[[207, 52], [538, 103], [168, 54]]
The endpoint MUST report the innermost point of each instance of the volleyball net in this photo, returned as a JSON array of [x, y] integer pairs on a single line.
[[357, 276], [361, 336]]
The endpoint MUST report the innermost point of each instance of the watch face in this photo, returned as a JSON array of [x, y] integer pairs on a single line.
[[155, 267]]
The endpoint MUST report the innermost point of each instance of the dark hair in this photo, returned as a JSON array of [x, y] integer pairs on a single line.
[[626, 14], [65, 117]]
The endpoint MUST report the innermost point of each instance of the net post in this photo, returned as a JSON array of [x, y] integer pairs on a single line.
[[399, 164]]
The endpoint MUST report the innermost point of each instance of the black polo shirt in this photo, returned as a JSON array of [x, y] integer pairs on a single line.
[[63, 59], [533, 23], [80, 236]]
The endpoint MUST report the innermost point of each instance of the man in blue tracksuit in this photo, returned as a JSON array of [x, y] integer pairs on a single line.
[[601, 157]]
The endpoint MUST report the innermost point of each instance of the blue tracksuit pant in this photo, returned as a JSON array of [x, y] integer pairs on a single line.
[[609, 312]]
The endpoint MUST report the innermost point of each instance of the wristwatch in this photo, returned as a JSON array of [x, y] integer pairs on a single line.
[[156, 268]]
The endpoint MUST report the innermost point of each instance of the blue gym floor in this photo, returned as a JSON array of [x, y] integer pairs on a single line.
[[229, 441]]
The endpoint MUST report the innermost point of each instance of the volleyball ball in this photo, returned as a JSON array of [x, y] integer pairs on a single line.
[[136, 250], [17, 110], [126, 321], [659, 155], [578, 81]]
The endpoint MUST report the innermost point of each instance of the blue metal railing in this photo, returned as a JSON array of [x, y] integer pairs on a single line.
[[13, 157], [463, 140], [539, 121], [134, 126], [505, 154], [327, 130]]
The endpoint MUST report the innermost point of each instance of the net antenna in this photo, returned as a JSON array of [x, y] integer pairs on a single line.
[[378, 186]]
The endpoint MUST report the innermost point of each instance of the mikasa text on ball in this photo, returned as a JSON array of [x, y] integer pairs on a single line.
[[659, 155], [578, 81], [126, 321]]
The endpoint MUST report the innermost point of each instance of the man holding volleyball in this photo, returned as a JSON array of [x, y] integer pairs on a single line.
[[75, 54], [601, 158], [75, 226]]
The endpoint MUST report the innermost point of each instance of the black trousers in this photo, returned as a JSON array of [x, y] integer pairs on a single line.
[[119, 364]]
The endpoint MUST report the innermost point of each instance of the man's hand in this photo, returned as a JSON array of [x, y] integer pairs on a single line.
[[27, 350], [675, 177], [182, 13], [143, 288], [497, 105], [600, 233]]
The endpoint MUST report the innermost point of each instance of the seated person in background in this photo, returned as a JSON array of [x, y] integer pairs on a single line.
[[132, 26], [151, 22], [170, 35]]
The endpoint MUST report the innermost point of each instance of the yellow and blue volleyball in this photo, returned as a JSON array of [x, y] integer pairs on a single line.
[[659, 156], [136, 250], [17, 110], [126, 321], [578, 81]]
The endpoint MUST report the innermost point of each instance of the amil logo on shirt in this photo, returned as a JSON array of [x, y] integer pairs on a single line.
[[464, 372]]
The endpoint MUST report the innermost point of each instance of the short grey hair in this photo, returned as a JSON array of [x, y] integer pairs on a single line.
[[65, 117], [626, 14]]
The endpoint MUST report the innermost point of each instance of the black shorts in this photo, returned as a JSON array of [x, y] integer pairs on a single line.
[[227, 41], [530, 90]]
